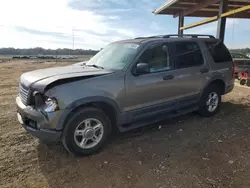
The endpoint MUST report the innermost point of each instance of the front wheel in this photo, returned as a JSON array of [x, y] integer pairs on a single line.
[[210, 101], [86, 131]]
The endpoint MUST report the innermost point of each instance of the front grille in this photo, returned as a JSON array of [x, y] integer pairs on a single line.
[[24, 93]]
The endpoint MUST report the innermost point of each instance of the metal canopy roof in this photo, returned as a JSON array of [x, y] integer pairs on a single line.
[[201, 8]]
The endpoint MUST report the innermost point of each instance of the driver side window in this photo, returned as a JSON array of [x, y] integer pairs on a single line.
[[157, 57]]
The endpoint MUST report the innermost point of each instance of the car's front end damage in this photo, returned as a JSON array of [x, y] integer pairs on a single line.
[[38, 112], [40, 106], [38, 121]]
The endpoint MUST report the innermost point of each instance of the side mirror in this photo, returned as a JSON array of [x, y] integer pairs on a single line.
[[142, 68]]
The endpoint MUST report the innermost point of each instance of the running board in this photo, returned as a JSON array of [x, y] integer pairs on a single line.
[[156, 119]]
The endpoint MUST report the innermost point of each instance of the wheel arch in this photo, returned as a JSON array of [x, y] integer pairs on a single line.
[[108, 106], [217, 81]]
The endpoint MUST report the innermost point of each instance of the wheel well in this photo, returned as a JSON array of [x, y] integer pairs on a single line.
[[108, 109], [220, 84]]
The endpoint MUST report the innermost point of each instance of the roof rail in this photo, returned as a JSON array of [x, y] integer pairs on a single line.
[[189, 35], [159, 36], [185, 35]]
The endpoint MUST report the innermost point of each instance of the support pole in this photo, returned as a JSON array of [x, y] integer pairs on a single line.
[[180, 24], [222, 20]]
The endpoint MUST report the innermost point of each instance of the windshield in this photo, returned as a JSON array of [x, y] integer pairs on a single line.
[[114, 56]]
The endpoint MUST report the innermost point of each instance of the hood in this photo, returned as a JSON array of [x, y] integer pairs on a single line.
[[41, 78]]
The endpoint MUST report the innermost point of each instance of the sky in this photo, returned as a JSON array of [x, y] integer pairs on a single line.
[[95, 23]]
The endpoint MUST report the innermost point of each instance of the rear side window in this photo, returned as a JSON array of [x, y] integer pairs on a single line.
[[219, 52], [188, 54]]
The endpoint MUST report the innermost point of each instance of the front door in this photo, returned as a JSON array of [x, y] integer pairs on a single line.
[[156, 90]]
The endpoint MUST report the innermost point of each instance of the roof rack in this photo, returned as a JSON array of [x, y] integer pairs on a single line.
[[160, 36], [185, 35], [189, 35]]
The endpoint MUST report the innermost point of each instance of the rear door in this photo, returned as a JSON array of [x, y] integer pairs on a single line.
[[191, 71]]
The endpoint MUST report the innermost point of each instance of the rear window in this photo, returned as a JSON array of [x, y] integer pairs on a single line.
[[219, 52], [188, 55]]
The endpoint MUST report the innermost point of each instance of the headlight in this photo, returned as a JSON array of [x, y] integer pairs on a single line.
[[51, 105], [47, 104]]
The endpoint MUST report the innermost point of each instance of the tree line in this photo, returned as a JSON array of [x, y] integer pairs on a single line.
[[42, 51], [67, 51]]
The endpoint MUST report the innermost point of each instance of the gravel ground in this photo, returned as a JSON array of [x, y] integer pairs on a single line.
[[188, 151]]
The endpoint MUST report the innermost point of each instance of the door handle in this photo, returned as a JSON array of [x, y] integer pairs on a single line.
[[168, 77], [204, 70]]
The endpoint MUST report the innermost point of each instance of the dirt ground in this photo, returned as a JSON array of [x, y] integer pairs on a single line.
[[188, 151]]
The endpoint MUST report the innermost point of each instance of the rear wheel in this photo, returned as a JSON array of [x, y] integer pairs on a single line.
[[210, 101], [86, 131]]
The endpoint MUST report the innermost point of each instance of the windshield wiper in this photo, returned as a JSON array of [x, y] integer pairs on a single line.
[[96, 66]]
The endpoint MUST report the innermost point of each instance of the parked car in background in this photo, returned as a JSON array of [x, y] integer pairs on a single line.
[[128, 84], [241, 61]]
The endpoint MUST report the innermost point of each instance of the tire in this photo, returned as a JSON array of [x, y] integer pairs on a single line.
[[211, 90], [80, 127], [248, 83], [243, 82]]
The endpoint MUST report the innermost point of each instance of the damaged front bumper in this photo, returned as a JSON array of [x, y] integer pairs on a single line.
[[38, 123]]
